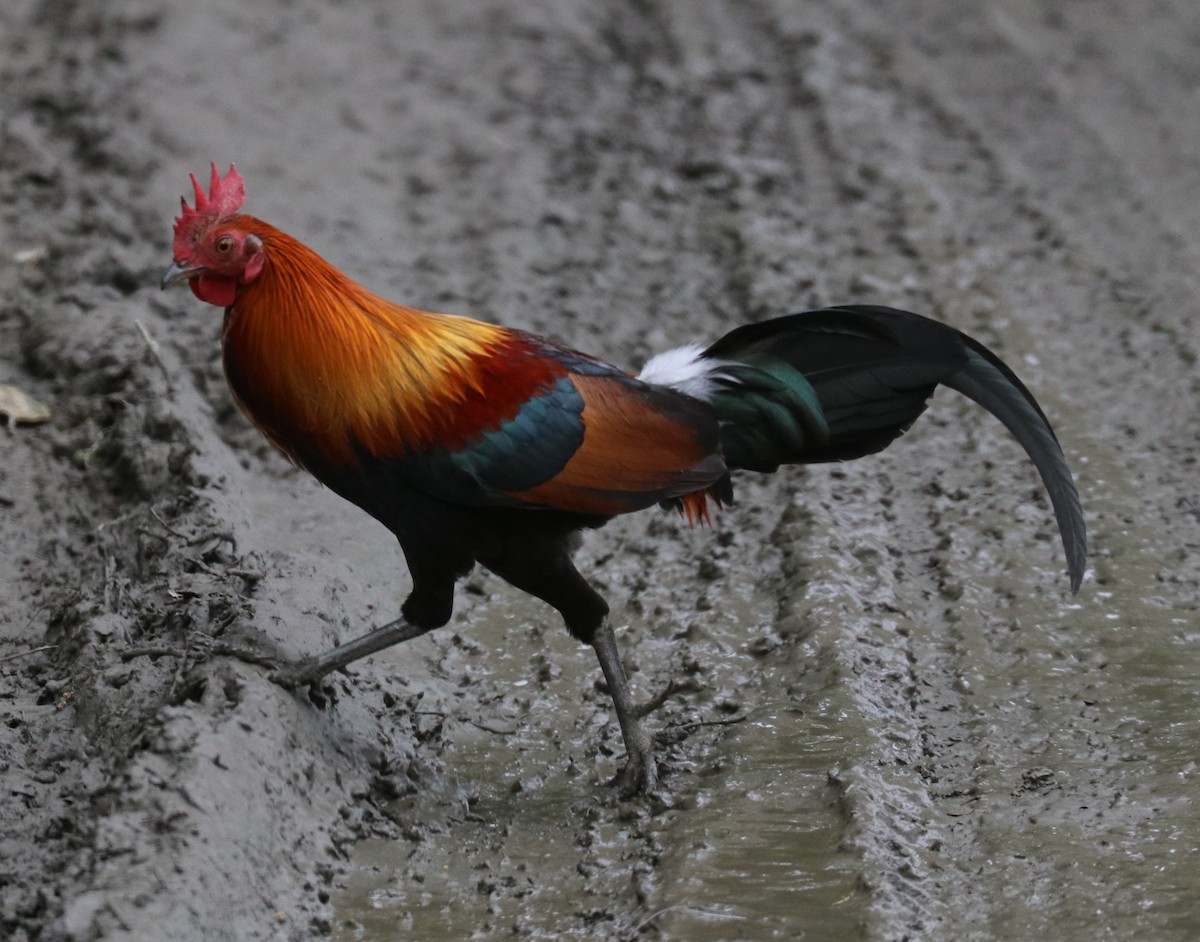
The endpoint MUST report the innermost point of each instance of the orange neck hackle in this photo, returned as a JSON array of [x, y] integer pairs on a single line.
[[325, 367]]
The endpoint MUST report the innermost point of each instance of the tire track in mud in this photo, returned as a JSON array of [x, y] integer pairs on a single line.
[[969, 753]]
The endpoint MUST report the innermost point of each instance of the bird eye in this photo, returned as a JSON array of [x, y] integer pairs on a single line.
[[223, 245]]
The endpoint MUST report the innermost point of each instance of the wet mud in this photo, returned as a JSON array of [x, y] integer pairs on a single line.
[[894, 720]]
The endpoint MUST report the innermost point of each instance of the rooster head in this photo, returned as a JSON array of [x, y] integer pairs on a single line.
[[212, 251]]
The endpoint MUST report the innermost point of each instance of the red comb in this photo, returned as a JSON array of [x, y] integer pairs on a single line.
[[225, 197]]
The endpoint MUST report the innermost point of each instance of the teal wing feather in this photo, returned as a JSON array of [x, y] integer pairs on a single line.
[[519, 453], [531, 447]]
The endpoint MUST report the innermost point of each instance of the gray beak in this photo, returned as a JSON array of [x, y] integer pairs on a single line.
[[177, 273]]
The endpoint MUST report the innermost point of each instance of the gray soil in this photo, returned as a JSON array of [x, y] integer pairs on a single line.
[[896, 721]]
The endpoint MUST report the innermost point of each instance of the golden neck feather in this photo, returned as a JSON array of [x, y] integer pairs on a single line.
[[317, 361]]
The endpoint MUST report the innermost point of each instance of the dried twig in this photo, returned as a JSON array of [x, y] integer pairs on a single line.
[[698, 724], [156, 353], [166, 526], [13, 657], [688, 907]]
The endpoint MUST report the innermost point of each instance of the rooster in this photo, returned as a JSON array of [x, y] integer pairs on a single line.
[[479, 444]]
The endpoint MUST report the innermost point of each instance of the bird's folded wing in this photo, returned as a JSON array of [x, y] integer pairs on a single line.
[[594, 442], [641, 445]]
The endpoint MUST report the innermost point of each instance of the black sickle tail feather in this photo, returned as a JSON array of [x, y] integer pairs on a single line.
[[843, 382], [993, 385]]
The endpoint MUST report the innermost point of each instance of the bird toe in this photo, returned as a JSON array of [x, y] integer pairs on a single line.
[[638, 777]]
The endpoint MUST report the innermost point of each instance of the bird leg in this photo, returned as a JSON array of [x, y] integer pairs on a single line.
[[640, 773], [313, 669]]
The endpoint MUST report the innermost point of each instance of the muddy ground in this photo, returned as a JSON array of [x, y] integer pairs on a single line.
[[899, 724]]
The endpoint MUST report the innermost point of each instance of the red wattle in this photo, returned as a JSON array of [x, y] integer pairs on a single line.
[[218, 291]]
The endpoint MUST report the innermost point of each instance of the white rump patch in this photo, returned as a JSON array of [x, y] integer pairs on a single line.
[[683, 369]]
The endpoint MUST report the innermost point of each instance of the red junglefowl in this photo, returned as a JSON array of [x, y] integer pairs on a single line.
[[475, 443]]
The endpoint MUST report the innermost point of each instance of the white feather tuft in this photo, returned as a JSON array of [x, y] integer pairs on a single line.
[[683, 369]]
